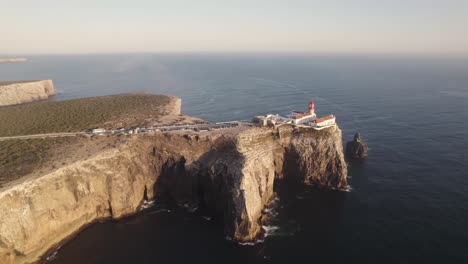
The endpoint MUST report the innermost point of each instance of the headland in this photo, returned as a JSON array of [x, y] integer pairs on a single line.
[[19, 92], [230, 170]]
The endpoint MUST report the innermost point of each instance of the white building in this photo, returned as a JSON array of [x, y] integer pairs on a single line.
[[304, 117], [297, 118], [98, 130], [326, 121]]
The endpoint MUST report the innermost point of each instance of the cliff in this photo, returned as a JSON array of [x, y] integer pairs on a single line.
[[12, 93], [232, 174]]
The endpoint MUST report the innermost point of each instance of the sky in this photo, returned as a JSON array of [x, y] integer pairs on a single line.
[[331, 26]]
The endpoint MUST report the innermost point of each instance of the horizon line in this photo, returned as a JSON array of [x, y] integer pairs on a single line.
[[233, 52]]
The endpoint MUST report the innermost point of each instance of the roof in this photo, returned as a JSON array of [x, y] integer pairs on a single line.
[[302, 115], [323, 119]]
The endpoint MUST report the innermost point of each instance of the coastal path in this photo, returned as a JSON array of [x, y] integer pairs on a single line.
[[49, 135], [153, 129]]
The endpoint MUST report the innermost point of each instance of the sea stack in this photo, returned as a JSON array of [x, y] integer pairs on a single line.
[[19, 92], [356, 149]]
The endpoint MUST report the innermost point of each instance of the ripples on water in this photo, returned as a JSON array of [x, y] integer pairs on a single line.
[[409, 200]]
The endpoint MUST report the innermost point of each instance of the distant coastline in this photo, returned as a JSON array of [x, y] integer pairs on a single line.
[[19, 92], [13, 60]]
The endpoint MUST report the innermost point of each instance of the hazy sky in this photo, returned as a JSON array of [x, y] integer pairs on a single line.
[[89, 26]]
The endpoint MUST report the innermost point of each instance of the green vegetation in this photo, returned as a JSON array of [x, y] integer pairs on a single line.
[[79, 114], [20, 157]]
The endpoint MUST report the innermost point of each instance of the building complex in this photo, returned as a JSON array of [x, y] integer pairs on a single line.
[[303, 119]]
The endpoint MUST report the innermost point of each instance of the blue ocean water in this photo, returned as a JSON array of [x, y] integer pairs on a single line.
[[409, 199]]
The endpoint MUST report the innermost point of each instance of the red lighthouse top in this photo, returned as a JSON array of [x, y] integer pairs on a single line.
[[311, 105]]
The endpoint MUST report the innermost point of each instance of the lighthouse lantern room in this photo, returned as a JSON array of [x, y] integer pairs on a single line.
[[312, 108]]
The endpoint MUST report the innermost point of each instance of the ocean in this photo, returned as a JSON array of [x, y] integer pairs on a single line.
[[408, 201]]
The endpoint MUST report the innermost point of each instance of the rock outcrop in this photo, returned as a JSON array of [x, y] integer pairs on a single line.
[[356, 149], [12, 93], [231, 174]]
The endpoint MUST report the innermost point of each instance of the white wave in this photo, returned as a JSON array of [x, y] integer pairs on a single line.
[[53, 256], [147, 204], [246, 243], [160, 211], [270, 230], [270, 211], [228, 238], [192, 209], [189, 207], [258, 241], [207, 218]]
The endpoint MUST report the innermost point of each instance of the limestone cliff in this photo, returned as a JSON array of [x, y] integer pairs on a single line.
[[230, 173], [314, 157], [12, 93]]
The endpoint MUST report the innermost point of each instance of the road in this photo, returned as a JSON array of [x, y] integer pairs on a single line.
[[49, 135], [195, 127]]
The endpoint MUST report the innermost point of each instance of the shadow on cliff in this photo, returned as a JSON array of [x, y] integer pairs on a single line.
[[312, 171], [308, 201], [216, 184], [209, 185], [309, 221]]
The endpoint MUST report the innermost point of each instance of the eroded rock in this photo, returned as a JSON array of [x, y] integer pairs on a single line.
[[356, 149]]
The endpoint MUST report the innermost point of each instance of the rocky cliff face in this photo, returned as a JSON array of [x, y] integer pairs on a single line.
[[25, 92], [231, 174], [314, 157]]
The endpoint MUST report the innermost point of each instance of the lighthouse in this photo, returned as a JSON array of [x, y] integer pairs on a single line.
[[312, 108], [304, 119]]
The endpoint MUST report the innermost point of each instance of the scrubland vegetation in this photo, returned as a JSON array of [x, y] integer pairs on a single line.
[[78, 115], [20, 157]]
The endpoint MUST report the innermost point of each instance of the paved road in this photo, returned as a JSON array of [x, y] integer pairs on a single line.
[[200, 127]]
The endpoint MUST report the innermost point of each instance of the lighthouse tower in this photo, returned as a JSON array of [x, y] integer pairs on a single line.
[[312, 108]]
